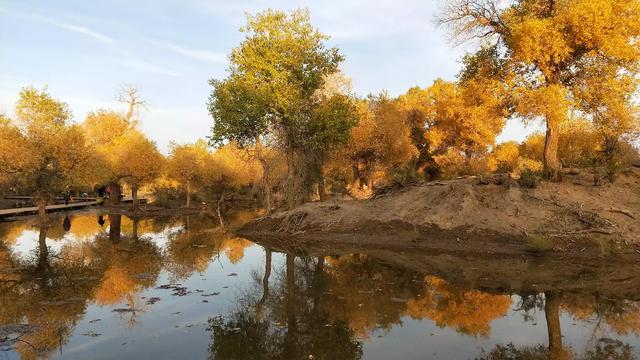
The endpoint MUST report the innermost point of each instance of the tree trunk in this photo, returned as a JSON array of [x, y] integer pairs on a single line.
[[219, 209], [188, 193], [42, 210], [114, 195], [552, 315], [296, 193], [322, 191], [134, 195], [355, 185], [266, 184], [550, 156]]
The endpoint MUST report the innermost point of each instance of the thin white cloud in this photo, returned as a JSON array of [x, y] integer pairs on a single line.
[[81, 30], [196, 54], [149, 68], [59, 24]]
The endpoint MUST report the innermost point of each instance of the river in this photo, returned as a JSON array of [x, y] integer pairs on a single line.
[[100, 286]]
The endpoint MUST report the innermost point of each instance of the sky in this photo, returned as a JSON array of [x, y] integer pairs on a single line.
[[84, 51]]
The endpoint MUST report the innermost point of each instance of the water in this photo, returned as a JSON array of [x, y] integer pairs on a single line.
[[101, 287]]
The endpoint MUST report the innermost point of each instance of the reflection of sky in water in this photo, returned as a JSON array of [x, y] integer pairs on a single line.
[[176, 326]]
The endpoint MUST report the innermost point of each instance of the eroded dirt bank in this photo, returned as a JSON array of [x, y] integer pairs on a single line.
[[472, 215]]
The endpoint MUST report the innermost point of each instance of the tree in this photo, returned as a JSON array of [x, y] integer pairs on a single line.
[[41, 149], [138, 161], [551, 46], [105, 132], [462, 122], [190, 165], [270, 93], [380, 141], [128, 95]]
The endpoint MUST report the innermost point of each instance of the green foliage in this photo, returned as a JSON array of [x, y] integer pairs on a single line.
[[271, 93], [529, 179]]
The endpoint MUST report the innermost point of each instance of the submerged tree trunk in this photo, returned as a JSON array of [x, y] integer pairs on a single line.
[[551, 169], [552, 315], [115, 221]]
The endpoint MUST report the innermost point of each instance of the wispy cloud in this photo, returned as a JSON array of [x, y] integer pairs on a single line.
[[196, 54], [60, 24], [149, 68], [81, 30]]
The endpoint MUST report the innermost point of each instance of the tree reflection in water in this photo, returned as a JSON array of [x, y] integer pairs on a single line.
[[296, 306]]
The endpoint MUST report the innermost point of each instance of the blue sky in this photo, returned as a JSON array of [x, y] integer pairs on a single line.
[[84, 51]]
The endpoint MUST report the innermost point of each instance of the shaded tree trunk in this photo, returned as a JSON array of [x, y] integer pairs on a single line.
[[188, 193], [550, 156], [42, 209], [134, 195], [355, 185], [297, 191], [114, 195], [266, 183], [322, 191]]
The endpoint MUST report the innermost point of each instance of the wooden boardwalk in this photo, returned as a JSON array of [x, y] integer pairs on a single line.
[[34, 209], [60, 207]]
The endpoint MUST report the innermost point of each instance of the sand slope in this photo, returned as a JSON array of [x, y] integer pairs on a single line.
[[471, 208]]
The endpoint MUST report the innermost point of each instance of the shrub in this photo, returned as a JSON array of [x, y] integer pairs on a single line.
[[529, 179], [539, 243]]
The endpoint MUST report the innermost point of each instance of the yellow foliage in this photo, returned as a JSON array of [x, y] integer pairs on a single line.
[[468, 311], [235, 167], [504, 157]]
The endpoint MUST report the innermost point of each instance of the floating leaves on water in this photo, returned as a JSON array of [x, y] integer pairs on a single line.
[[211, 294], [153, 300], [91, 334], [123, 310]]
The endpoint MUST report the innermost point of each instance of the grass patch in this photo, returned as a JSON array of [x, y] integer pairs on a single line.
[[539, 243]]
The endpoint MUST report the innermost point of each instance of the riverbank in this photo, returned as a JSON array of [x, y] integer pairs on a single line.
[[475, 215]]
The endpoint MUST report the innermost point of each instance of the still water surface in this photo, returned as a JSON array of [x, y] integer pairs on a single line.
[[95, 286]]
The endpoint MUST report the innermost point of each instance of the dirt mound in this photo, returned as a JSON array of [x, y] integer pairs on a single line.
[[472, 208]]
